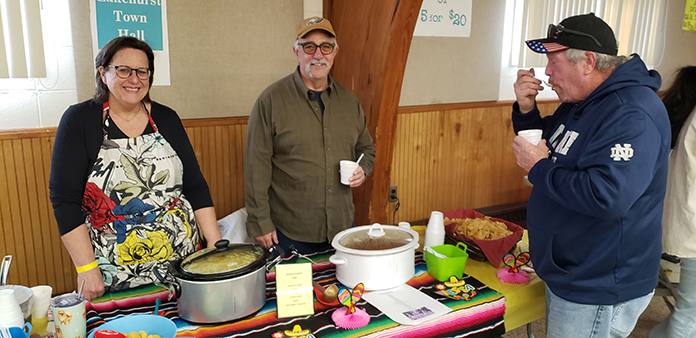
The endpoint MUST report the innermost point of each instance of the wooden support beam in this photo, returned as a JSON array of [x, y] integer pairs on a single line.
[[374, 39]]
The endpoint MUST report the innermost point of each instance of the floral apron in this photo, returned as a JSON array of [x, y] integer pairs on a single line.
[[137, 215]]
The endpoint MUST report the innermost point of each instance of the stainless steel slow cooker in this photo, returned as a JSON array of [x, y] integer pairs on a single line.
[[379, 256], [220, 284]]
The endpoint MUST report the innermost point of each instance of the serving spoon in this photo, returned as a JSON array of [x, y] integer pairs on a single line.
[[326, 296]]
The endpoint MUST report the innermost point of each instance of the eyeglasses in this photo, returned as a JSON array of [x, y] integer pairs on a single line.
[[555, 30], [326, 48], [125, 72]]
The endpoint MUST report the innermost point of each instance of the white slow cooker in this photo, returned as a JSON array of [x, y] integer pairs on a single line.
[[379, 256]]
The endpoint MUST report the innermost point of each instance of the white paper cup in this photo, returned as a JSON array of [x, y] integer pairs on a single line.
[[347, 170], [41, 301], [532, 136]]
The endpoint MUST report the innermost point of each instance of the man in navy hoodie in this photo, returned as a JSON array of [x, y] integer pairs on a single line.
[[599, 176]]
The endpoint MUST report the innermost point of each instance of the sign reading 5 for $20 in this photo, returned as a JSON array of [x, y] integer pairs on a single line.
[[451, 18]]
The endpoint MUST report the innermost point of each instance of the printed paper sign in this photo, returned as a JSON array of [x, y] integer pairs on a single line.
[[142, 19], [690, 16], [449, 18], [294, 290]]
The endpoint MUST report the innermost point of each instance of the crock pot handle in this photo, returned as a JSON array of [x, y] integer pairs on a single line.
[[173, 286], [5, 269], [272, 263], [337, 260]]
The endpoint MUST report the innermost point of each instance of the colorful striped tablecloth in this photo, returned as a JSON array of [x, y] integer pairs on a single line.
[[480, 317]]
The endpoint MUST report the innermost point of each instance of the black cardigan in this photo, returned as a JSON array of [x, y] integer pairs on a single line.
[[77, 145]]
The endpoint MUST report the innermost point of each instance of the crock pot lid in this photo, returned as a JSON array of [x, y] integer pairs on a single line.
[[393, 238], [224, 259]]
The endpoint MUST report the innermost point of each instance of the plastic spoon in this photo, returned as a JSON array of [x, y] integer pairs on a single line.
[[360, 158], [546, 83], [157, 304]]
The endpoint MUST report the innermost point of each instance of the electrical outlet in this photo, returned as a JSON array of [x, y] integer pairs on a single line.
[[392, 194]]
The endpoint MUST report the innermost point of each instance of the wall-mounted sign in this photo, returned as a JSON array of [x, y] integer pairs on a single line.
[[451, 18], [142, 19], [690, 16]]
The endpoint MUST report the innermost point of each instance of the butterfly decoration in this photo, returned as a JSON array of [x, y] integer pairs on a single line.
[[516, 262], [456, 289], [349, 299]]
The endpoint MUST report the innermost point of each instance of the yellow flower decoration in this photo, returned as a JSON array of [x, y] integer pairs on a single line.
[[135, 250], [179, 213]]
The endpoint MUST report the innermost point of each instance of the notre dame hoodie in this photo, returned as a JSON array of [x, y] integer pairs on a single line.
[[594, 214]]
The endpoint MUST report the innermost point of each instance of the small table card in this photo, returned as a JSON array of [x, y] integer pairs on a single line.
[[294, 290]]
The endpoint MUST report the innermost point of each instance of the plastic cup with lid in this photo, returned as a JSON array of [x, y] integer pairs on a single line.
[[69, 315]]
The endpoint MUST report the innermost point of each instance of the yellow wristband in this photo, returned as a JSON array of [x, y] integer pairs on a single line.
[[86, 267]]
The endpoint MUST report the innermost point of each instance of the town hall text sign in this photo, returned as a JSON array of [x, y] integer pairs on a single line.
[[142, 19]]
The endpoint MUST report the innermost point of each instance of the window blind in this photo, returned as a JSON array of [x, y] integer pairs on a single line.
[[21, 39], [637, 24]]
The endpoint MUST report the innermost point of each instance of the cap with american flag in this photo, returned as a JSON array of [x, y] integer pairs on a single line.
[[584, 32], [545, 47]]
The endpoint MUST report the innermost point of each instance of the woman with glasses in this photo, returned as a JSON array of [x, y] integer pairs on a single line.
[[126, 189]]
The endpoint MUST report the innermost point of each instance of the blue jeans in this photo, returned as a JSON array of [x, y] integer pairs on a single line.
[[303, 247], [566, 319], [681, 323]]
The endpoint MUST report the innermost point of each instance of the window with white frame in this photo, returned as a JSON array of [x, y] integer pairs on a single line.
[[21, 39], [638, 26], [35, 100]]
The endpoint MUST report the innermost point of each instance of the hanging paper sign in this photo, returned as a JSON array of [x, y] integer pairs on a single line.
[[142, 19], [690, 16], [449, 18]]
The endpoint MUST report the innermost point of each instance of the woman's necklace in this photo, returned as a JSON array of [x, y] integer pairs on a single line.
[[122, 117]]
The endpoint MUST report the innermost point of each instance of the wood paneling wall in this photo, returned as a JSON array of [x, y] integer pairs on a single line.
[[445, 157], [219, 145], [28, 230], [449, 157]]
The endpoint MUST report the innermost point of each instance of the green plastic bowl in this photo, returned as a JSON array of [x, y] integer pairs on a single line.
[[443, 268]]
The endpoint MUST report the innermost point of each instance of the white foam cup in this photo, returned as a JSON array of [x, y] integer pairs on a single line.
[[532, 136], [10, 312], [436, 222], [435, 231], [347, 170]]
